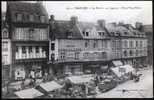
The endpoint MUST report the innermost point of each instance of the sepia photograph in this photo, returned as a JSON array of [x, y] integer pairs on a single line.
[[76, 49]]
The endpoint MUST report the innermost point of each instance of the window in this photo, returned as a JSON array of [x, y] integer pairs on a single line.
[[87, 33], [4, 59], [83, 33], [23, 49], [62, 55], [141, 43], [31, 33], [37, 49], [125, 44], [17, 49], [44, 48], [86, 54], [30, 49], [131, 44], [86, 44], [105, 44], [136, 43], [125, 33], [76, 55], [125, 53], [95, 44], [131, 53], [52, 46], [5, 46], [31, 18], [104, 55], [19, 17], [136, 52], [5, 34], [52, 57]]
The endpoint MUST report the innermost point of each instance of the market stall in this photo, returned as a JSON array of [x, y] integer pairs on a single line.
[[49, 88], [82, 85], [29, 93], [123, 73]]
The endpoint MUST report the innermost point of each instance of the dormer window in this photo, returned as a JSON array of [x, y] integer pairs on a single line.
[[112, 33], [125, 33], [83, 33], [19, 17], [101, 33], [87, 33], [31, 18], [5, 33], [69, 34]]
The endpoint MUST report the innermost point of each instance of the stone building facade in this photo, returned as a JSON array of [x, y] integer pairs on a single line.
[[28, 25], [78, 47]]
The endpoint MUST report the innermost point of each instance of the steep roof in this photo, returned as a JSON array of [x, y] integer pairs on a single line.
[[33, 8], [93, 30], [63, 28], [26, 9], [123, 30]]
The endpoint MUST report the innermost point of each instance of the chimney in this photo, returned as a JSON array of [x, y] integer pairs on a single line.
[[101, 23], [121, 23], [114, 24], [74, 20], [138, 25], [128, 26]]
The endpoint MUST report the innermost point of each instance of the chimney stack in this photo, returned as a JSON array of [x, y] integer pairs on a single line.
[[101, 23], [74, 20], [138, 25], [114, 24]]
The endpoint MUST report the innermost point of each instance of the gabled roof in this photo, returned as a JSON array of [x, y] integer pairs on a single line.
[[63, 28], [123, 30], [33, 8], [92, 28], [26, 9]]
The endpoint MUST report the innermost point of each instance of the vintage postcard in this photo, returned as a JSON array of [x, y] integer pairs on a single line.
[[77, 49]]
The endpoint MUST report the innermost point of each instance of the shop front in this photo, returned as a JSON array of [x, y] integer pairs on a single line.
[[28, 70], [73, 69]]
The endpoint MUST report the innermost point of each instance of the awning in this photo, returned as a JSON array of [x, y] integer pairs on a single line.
[[28, 93], [104, 67], [80, 79], [50, 86], [117, 63], [121, 70]]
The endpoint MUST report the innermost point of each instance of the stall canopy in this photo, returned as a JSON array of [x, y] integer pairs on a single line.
[[50, 86], [117, 63], [28, 93], [121, 70], [80, 79]]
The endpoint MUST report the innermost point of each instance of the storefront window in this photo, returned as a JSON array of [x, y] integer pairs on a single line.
[[37, 49], [30, 49], [23, 49]]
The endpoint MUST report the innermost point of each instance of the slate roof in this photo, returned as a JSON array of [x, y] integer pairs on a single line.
[[93, 28], [33, 8], [62, 29], [26, 9], [123, 30]]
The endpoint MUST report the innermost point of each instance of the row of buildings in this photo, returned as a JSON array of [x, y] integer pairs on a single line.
[[33, 41]]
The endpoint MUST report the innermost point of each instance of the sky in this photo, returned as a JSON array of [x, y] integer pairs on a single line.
[[91, 11]]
